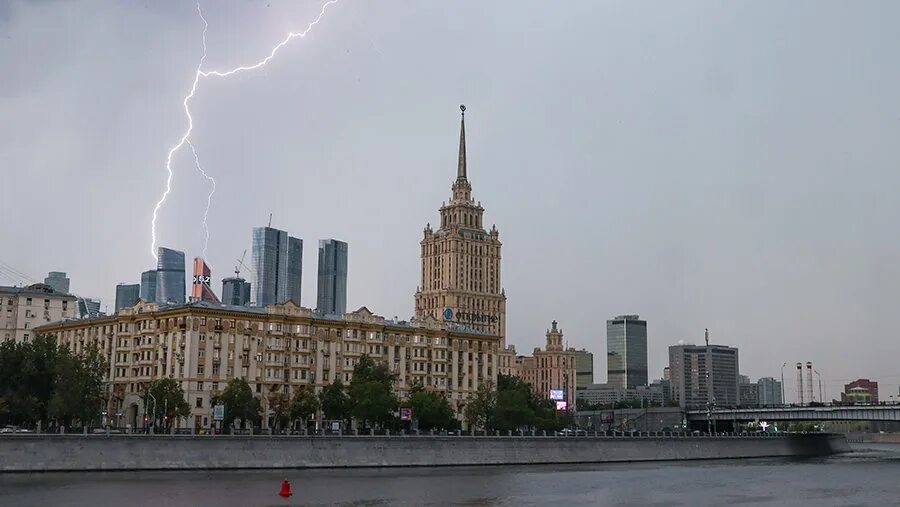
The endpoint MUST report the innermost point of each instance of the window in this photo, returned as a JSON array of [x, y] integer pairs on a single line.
[[199, 386], [200, 369], [199, 402], [28, 301], [25, 338]]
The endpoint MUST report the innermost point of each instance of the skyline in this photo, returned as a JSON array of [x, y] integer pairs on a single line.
[[743, 157]]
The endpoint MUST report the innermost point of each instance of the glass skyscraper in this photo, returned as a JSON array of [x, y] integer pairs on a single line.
[[278, 264], [148, 286], [626, 352], [127, 295], [58, 280], [170, 287], [332, 281], [235, 291]]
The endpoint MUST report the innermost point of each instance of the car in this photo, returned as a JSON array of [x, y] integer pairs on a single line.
[[7, 429], [23, 430]]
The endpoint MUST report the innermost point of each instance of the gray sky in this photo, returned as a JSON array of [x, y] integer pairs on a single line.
[[730, 165]]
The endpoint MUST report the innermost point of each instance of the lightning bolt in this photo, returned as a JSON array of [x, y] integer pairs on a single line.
[[208, 197], [185, 138]]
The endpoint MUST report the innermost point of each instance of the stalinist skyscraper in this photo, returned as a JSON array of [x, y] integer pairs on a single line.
[[461, 262]]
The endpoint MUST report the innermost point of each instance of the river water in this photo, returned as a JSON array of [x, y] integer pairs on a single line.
[[868, 476]]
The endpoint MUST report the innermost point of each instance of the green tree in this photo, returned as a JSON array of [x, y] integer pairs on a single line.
[[372, 398], [79, 391], [170, 401], [240, 403], [431, 410], [334, 401], [280, 406], [479, 411], [304, 405]]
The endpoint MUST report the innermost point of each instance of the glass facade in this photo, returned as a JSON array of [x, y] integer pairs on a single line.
[[278, 265], [626, 352], [148, 285], [127, 295], [235, 291], [58, 280], [170, 286], [332, 282], [769, 391]]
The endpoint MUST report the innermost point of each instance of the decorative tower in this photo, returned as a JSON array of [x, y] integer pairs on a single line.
[[461, 261]]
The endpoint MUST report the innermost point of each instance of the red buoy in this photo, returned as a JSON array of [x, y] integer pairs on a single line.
[[285, 489]]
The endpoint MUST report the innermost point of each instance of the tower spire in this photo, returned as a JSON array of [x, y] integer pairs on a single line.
[[461, 169]]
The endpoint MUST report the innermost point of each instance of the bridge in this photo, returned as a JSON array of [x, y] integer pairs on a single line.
[[788, 413]]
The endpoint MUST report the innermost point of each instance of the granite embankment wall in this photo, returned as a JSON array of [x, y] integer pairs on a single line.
[[28, 453]]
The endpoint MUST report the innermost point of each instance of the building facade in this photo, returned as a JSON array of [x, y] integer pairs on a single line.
[[584, 369], [127, 295], [626, 352], [860, 391], [58, 281], [331, 286], [201, 289], [461, 262], [148, 285], [88, 308], [170, 282], [550, 369], [769, 392], [235, 291], [277, 349], [278, 265], [704, 374], [22, 309]]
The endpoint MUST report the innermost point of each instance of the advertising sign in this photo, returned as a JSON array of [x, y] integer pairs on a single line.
[[561, 405], [219, 412], [557, 394], [405, 414]]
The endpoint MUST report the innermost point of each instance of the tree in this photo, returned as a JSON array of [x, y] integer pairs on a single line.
[[334, 401], [240, 403], [431, 410], [372, 398], [304, 405], [170, 401], [280, 405], [79, 391], [479, 411]]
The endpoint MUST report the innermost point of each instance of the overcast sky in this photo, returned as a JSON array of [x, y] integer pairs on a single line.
[[730, 165]]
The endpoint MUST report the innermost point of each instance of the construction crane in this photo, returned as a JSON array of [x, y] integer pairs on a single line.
[[240, 265]]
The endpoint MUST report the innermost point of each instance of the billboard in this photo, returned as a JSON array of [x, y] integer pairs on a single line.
[[561, 405], [219, 412], [405, 414], [557, 394]]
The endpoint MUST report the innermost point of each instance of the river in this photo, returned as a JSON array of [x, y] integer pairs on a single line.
[[868, 476]]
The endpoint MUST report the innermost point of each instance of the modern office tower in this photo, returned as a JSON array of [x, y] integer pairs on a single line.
[[584, 369], [127, 295], [58, 281], [148, 285], [235, 291], [460, 267], [626, 352], [332, 282], [88, 308], [278, 264], [704, 374], [769, 392], [170, 287], [200, 287]]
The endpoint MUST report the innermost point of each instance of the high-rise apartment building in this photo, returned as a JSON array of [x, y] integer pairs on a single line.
[[235, 291], [332, 281], [170, 283], [626, 352], [461, 262], [278, 264], [148, 285], [200, 286], [24, 308], [704, 374], [584, 369], [768, 392], [58, 281], [127, 295]]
